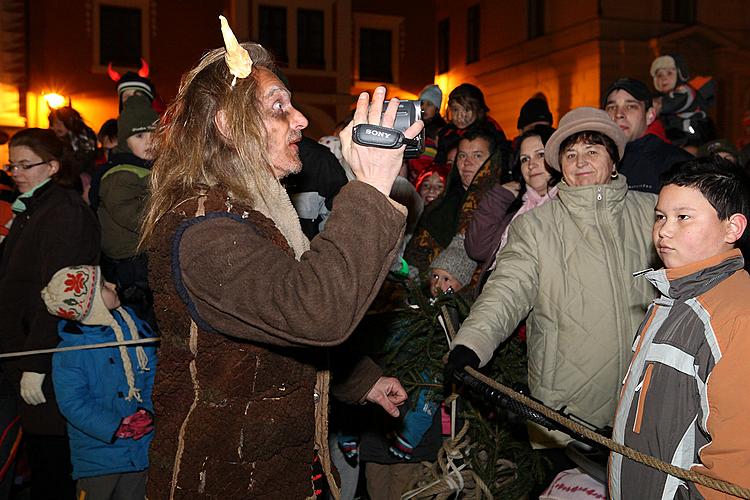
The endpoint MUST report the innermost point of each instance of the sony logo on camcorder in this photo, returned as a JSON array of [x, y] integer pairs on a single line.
[[377, 133]]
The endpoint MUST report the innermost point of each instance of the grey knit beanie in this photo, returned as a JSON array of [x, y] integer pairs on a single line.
[[433, 94], [454, 260]]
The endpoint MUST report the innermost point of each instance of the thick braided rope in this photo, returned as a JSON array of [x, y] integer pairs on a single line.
[[447, 477], [695, 477]]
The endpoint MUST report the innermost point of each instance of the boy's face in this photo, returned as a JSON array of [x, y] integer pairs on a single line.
[[442, 280], [140, 145], [687, 228], [109, 295]]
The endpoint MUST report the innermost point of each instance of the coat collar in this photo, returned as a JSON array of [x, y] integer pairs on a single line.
[[682, 283], [585, 201]]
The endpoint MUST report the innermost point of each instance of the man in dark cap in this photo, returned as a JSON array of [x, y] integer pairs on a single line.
[[628, 102]]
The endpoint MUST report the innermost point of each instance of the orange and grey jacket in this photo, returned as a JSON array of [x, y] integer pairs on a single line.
[[684, 399]]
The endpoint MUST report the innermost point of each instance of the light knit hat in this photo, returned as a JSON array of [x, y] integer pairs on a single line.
[[433, 94], [74, 293], [662, 62], [581, 120], [455, 261]]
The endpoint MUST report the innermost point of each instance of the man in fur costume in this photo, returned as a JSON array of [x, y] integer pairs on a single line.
[[246, 305]]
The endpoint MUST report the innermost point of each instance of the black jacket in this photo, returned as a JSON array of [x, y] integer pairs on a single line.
[[56, 230], [313, 188], [645, 159]]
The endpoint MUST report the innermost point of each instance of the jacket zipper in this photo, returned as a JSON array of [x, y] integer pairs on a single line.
[[643, 386]]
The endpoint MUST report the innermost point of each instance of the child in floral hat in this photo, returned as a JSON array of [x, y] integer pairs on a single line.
[[104, 393]]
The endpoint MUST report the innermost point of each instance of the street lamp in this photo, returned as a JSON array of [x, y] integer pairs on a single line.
[[54, 101]]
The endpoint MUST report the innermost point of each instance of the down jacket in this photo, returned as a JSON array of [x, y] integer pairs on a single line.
[[568, 265], [89, 385]]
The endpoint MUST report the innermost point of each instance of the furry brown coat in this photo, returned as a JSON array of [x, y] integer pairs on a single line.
[[235, 394]]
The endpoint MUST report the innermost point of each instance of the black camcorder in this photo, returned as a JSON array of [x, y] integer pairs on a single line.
[[393, 138]]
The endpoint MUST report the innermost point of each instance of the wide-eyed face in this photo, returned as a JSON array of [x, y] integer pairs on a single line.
[[687, 229], [461, 117], [629, 114], [533, 170], [283, 122], [586, 164], [443, 281], [431, 188], [665, 79], [27, 179], [471, 156]]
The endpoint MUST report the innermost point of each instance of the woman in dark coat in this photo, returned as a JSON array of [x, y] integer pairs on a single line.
[[53, 228]]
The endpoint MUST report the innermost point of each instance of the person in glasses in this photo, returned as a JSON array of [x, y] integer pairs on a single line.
[[53, 228]]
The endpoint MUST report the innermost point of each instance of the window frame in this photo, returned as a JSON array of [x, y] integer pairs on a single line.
[[394, 24], [329, 37], [473, 33], [145, 8]]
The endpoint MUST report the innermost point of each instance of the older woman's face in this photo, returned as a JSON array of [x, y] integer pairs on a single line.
[[461, 117], [586, 164], [534, 172]]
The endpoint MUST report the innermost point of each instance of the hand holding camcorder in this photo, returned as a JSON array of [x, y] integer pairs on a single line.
[[377, 136]]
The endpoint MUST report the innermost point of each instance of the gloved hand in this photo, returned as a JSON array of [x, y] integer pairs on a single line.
[[400, 447], [136, 426], [31, 388], [459, 357]]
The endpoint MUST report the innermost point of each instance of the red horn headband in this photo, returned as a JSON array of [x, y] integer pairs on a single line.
[[114, 75], [143, 72]]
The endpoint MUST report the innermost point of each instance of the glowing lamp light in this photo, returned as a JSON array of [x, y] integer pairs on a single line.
[[54, 101]]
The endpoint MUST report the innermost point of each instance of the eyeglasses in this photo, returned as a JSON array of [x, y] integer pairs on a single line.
[[10, 167]]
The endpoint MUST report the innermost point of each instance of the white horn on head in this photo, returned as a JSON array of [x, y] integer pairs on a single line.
[[237, 58]]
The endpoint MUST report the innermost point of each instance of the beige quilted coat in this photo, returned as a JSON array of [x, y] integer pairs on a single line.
[[568, 265]]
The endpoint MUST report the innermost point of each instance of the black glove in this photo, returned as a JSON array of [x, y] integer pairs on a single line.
[[458, 358]]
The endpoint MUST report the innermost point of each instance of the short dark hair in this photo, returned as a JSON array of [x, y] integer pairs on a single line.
[[724, 185], [484, 131], [590, 137], [108, 130]]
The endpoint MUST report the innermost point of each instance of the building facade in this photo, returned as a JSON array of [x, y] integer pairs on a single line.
[[572, 50]]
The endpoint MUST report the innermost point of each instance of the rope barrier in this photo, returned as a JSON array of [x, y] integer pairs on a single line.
[[687, 475], [18, 354]]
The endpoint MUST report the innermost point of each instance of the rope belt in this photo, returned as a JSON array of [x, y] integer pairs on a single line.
[[18, 354], [549, 413]]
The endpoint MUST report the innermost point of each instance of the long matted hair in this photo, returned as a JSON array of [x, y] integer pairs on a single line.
[[192, 153]]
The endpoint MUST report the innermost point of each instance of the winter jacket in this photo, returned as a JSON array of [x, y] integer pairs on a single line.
[[122, 197], [488, 224], [56, 230], [645, 159], [567, 265], [236, 391], [680, 401], [313, 188], [90, 387]]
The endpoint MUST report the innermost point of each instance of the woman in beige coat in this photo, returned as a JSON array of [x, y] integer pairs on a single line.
[[568, 265]]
